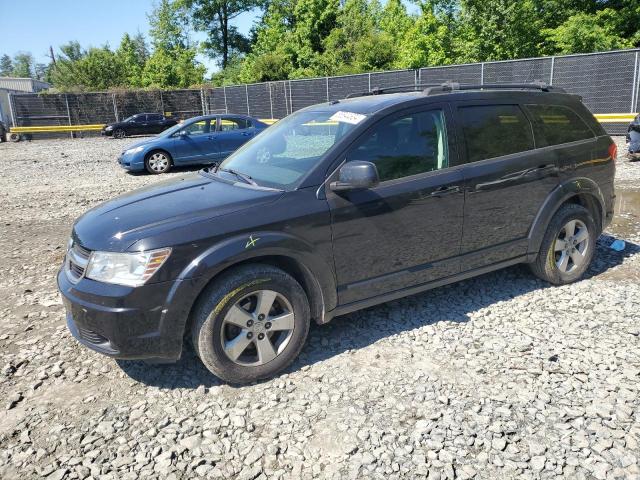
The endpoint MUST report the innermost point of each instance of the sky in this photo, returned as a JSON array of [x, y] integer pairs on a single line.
[[33, 25]]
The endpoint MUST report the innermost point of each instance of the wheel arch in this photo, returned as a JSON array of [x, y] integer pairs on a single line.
[[581, 191], [279, 250]]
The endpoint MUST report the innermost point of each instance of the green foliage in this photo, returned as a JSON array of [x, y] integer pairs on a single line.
[[133, 55], [6, 66], [305, 38], [426, 42], [23, 65], [214, 17], [173, 61], [585, 32], [301, 38]]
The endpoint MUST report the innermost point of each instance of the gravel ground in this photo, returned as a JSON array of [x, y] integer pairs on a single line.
[[501, 376]]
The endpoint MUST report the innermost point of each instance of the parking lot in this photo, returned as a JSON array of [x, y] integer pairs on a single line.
[[498, 377]]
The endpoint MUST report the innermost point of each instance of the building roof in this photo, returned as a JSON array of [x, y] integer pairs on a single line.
[[28, 85]]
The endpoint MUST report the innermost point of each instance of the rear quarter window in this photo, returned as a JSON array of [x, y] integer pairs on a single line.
[[494, 130], [557, 124]]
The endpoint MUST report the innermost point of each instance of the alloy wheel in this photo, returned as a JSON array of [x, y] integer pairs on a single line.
[[570, 247], [158, 162], [257, 328]]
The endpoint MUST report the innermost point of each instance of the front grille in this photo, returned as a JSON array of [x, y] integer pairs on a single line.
[[91, 336], [76, 262]]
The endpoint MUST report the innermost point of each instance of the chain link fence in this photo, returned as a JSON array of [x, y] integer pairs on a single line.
[[608, 83]]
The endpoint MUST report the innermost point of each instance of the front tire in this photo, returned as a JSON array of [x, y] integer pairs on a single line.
[[119, 133], [251, 323], [568, 246], [157, 162]]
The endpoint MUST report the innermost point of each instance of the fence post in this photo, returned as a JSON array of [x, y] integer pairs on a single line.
[[286, 102], [246, 93], [553, 63], [11, 111], [369, 81], [66, 101], [115, 107], [482, 73], [634, 99], [270, 99], [202, 102], [327, 79], [290, 98], [161, 102], [224, 91]]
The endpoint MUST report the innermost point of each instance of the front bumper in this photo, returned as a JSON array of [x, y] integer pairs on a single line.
[[134, 162], [106, 133], [146, 322]]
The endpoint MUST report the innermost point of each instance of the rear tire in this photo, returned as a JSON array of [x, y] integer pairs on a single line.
[[251, 323], [568, 246], [158, 162]]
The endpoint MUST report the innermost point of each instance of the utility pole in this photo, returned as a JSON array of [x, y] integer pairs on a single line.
[[51, 54]]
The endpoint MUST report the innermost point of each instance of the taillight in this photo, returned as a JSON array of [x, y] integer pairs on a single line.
[[613, 151]]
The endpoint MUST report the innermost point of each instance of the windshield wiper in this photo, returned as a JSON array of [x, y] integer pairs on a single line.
[[240, 175]]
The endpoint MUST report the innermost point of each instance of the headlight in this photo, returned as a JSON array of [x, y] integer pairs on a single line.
[[109, 127], [134, 150], [131, 269]]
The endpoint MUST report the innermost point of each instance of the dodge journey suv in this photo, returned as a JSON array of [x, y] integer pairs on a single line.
[[335, 208]]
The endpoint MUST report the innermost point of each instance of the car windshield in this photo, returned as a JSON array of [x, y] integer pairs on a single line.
[[281, 155], [129, 119]]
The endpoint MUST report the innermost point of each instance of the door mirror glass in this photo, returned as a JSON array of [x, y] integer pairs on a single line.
[[356, 175], [183, 133]]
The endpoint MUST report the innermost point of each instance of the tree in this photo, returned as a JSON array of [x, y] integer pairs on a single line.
[[173, 61], [395, 21], [23, 65], [214, 17], [94, 69], [132, 55], [585, 32], [6, 66], [497, 30], [41, 71], [426, 42]]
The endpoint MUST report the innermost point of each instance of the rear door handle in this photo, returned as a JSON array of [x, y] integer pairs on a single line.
[[246, 134], [442, 191]]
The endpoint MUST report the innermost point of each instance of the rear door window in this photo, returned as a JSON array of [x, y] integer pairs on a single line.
[[557, 124], [494, 130], [228, 124]]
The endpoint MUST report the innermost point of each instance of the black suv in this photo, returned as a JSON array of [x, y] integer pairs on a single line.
[[335, 208], [139, 124]]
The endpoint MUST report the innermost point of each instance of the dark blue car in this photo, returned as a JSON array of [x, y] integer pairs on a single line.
[[199, 140]]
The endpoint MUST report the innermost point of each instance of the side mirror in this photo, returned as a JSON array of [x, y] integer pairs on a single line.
[[356, 175], [183, 133]]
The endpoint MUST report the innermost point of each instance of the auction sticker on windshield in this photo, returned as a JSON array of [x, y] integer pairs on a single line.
[[347, 117]]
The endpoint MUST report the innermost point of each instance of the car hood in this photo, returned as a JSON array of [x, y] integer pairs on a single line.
[[141, 143], [117, 224]]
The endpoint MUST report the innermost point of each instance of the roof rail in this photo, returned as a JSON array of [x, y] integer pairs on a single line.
[[412, 87], [451, 86]]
